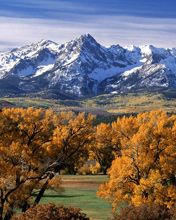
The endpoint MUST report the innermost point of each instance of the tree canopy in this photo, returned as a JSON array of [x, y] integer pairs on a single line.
[[35, 145], [145, 170], [139, 153]]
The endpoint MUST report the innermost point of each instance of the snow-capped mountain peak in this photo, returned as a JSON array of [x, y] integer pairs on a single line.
[[83, 67], [86, 38]]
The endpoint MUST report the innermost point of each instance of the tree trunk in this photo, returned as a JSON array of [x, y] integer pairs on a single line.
[[9, 213], [71, 170], [104, 171], [41, 193], [25, 206], [1, 212], [42, 190]]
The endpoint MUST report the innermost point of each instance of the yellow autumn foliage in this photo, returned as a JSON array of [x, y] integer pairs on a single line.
[[35, 144], [145, 172]]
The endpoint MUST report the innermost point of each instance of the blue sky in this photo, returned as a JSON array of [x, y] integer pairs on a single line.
[[122, 22]]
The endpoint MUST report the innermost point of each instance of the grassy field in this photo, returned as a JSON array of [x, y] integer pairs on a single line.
[[106, 105], [80, 191]]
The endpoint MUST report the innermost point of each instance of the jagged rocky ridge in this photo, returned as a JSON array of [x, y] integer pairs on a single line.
[[84, 68]]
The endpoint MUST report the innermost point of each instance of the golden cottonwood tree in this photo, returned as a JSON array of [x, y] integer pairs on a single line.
[[145, 172], [34, 145], [102, 150]]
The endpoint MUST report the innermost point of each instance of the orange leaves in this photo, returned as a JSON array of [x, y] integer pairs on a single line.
[[146, 170], [51, 212], [73, 133], [102, 150], [35, 144]]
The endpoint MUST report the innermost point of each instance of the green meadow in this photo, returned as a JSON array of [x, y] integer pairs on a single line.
[[80, 191]]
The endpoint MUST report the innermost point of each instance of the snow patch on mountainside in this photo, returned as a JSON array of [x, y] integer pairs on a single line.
[[71, 59], [102, 74], [7, 62], [131, 71], [43, 69]]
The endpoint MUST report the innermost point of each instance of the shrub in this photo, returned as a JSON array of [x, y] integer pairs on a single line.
[[51, 212], [146, 212]]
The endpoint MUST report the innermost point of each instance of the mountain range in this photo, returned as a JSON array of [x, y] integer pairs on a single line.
[[84, 68]]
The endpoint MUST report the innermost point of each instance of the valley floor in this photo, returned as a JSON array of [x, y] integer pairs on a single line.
[[80, 191], [104, 105]]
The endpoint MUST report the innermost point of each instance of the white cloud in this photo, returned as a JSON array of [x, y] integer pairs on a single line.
[[124, 30]]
